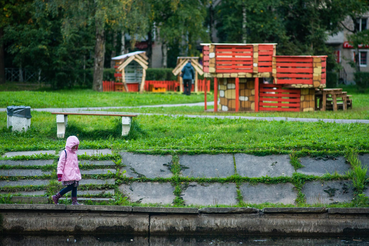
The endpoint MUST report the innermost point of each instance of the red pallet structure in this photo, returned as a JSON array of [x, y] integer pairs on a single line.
[[251, 77], [233, 59], [299, 70], [277, 98]]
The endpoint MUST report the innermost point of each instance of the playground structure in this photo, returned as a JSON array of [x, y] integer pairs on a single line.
[[181, 62], [131, 72], [251, 77], [130, 69]]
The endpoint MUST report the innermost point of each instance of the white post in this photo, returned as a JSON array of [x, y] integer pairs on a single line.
[[61, 123], [126, 125]]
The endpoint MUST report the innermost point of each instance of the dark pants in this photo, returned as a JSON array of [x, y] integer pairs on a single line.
[[187, 84], [69, 188]]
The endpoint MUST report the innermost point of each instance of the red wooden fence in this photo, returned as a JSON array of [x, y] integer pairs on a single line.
[[170, 85], [275, 98]]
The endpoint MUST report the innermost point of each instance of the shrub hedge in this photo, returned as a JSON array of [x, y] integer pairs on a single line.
[[362, 80]]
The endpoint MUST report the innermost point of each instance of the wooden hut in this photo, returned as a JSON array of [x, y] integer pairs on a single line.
[[181, 62], [251, 77], [130, 70]]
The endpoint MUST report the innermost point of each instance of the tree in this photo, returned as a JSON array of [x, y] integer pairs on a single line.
[[298, 26], [11, 12], [97, 13], [180, 23]]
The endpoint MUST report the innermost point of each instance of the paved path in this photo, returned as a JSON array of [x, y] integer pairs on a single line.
[[142, 170], [99, 110]]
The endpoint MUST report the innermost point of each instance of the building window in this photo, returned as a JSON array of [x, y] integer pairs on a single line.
[[361, 24], [363, 58]]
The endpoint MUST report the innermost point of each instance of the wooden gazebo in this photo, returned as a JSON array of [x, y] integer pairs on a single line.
[[130, 69], [181, 62]]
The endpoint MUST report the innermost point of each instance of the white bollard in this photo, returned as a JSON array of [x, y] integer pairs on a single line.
[[126, 125], [61, 123]]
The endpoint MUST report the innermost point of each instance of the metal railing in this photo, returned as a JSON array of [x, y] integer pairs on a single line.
[[23, 75]]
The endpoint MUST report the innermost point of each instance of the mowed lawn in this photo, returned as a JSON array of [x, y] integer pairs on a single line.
[[177, 132]]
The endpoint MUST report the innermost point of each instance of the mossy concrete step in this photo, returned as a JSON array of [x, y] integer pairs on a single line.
[[26, 163], [27, 182], [89, 152], [38, 172], [23, 172]]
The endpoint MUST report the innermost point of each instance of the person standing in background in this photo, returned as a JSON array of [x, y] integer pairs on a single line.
[[188, 74]]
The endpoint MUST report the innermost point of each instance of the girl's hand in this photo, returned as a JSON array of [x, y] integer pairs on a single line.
[[60, 177]]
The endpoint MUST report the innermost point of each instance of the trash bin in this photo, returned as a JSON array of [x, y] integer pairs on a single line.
[[19, 117]]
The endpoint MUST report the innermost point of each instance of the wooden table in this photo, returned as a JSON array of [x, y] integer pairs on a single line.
[[323, 94]]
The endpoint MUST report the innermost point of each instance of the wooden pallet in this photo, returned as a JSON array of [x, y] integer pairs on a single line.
[[275, 98], [300, 70]]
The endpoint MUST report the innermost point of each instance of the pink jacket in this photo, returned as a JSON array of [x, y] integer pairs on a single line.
[[68, 167]]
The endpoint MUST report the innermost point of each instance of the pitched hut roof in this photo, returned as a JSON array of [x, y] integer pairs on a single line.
[[138, 56]]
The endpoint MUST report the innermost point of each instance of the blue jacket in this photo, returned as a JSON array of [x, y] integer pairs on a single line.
[[188, 72]]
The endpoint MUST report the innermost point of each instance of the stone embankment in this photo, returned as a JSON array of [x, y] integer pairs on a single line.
[[46, 219], [221, 180]]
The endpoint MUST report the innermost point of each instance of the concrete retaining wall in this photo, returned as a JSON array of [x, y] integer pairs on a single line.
[[40, 219]]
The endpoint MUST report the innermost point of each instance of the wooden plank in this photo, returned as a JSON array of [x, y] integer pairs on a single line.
[[292, 92], [295, 81], [280, 109], [294, 75], [256, 94], [179, 67], [94, 114], [294, 70], [237, 93], [263, 99], [290, 105], [215, 94], [277, 95], [126, 62], [143, 81]]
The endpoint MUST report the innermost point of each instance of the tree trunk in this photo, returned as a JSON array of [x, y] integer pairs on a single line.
[[149, 47], [357, 57], [99, 57], [113, 52], [2, 58], [244, 25], [123, 42], [164, 50]]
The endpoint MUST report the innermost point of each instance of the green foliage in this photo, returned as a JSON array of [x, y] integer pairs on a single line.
[[332, 79], [357, 172], [160, 74], [360, 200], [295, 161], [361, 80]]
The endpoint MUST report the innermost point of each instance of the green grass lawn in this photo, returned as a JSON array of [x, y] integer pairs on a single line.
[[180, 133], [195, 135]]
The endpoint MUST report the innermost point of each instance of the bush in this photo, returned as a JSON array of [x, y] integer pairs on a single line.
[[160, 74], [332, 79], [361, 80], [109, 74]]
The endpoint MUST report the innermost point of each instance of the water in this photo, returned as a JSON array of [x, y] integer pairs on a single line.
[[182, 241]]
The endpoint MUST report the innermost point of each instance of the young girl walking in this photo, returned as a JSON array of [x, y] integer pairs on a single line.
[[68, 170]]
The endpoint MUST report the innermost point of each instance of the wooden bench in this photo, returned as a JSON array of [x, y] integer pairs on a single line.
[[62, 121]]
